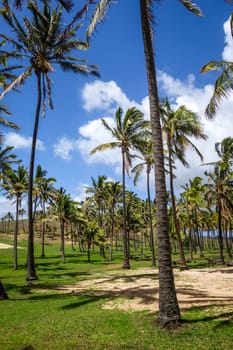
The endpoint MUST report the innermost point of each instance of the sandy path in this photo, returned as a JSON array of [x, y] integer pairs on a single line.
[[138, 290], [5, 246]]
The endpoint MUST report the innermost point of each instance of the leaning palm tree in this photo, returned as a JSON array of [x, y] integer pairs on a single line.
[[129, 133], [15, 186], [169, 312], [44, 42]]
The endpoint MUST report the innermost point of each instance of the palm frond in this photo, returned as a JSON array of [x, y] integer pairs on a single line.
[[223, 85], [105, 146], [190, 6], [97, 17]]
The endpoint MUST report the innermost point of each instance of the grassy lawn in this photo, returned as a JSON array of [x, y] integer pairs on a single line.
[[39, 315]]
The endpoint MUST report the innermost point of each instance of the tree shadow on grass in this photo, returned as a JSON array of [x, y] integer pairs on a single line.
[[223, 319], [85, 299]]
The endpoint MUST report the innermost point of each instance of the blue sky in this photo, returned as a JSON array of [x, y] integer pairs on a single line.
[[183, 44]]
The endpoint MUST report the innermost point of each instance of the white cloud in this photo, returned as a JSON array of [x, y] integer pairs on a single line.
[[104, 96], [93, 134], [19, 141], [196, 99], [64, 147], [227, 53]]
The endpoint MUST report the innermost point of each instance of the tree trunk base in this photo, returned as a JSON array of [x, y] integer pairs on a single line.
[[31, 278], [126, 267]]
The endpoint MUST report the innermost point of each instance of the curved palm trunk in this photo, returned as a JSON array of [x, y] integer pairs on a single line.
[[183, 265], [169, 312], [16, 234], [31, 261], [152, 244], [126, 264]]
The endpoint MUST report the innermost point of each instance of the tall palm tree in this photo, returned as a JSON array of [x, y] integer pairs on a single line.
[[62, 207], [129, 133], [43, 41], [114, 196], [169, 312], [15, 185], [43, 193], [178, 127], [220, 186], [192, 200], [98, 190], [148, 163]]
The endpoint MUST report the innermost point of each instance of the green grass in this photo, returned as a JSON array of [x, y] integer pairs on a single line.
[[37, 314]]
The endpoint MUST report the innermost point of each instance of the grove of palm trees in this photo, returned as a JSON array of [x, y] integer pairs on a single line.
[[72, 266]]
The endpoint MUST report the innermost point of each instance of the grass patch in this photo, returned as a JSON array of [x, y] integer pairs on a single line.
[[39, 315]]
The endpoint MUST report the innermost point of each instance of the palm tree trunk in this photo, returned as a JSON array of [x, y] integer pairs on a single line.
[[152, 244], [16, 234], [63, 240], [169, 312], [183, 265], [31, 260], [220, 239], [126, 264], [43, 233]]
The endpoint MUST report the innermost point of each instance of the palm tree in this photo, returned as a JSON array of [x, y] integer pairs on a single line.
[[4, 123], [98, 190], [223, 84], [43, 41], [220, 186], [67, 4], [43, 193], [148, 162], [129, 133], [7, 158], [62, 209], [178, 126], [15, 185], [22, 212], [169, 312], [191, 203], [114, 196]]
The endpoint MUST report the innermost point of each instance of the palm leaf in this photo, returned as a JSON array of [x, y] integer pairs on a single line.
[[190, 6], [223, 85], [97, 17], [105, 146]]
